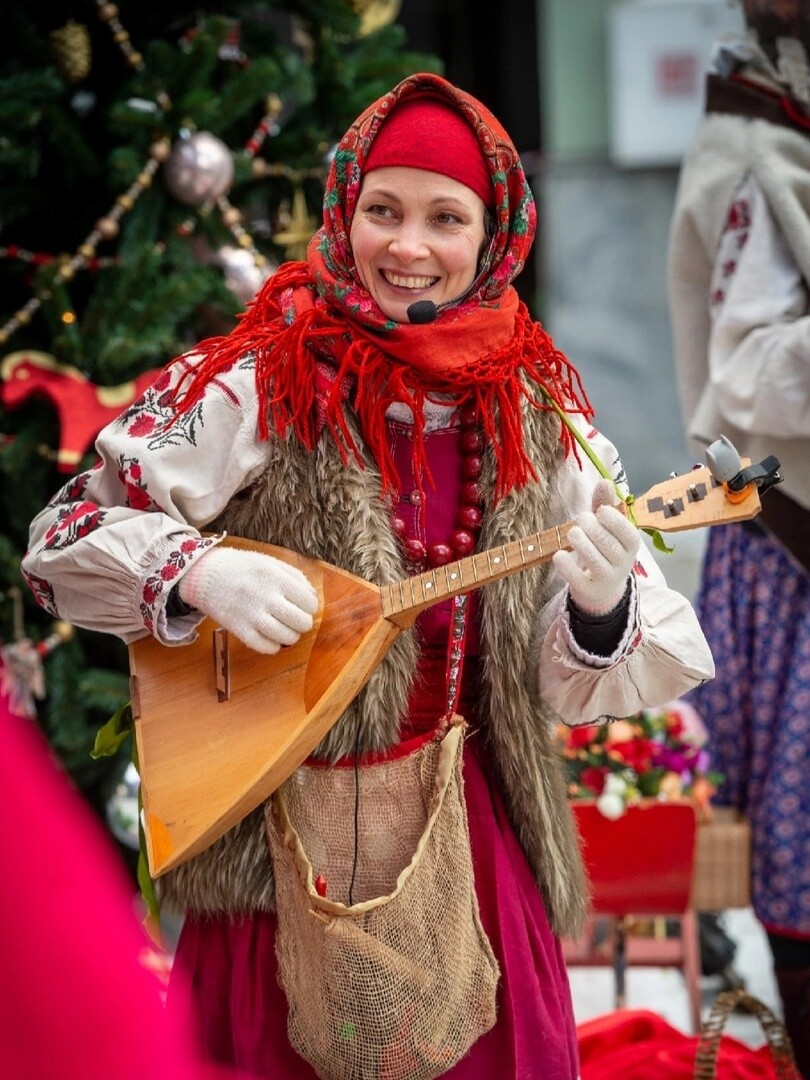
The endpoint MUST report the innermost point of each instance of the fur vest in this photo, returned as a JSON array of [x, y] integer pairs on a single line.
[[316, 503]]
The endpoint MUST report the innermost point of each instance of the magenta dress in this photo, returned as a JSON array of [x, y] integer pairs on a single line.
[[231, 964]]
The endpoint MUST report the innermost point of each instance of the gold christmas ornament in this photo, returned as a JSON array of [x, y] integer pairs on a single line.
[[374, 14], [70, 46], [107, 227], [274, 106], [298, 233], [64, 630], [160, 150], [230, 217]]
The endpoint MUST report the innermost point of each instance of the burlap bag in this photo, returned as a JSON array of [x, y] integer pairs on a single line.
[[399, 984]]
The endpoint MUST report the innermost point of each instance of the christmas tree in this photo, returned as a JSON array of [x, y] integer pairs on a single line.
[[156, 164]]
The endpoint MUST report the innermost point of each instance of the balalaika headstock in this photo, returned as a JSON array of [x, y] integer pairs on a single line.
[[713, 494]]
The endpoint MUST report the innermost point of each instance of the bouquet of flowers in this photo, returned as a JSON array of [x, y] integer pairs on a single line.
[[658, 753]]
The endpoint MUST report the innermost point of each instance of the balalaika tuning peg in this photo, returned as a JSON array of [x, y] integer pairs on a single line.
[[723, 460]]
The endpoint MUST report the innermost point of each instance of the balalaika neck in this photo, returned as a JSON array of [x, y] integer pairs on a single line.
[[403, 600]]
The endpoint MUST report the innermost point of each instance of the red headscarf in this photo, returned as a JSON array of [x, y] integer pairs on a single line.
[[316, 316], [424, 133]]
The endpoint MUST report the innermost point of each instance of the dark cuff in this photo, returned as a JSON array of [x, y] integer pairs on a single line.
[[600, 635], [176, 607]]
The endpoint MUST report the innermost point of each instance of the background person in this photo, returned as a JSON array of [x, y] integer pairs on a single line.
[[83, 983], [739, 266]]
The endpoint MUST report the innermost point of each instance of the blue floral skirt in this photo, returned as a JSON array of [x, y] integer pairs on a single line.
[[754, 606]]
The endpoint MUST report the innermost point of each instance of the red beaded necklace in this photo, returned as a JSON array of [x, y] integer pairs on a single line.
[[468, 520], [461, 543]]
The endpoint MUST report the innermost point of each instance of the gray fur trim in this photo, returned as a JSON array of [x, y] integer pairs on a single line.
[[232, 875]]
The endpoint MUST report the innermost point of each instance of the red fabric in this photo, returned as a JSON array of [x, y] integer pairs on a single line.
[[650, 877], [636, 1044], [429, 695], [242, 1011], [81, 996], [423, 133]]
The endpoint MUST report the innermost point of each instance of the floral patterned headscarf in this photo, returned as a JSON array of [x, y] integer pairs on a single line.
[[330, 255], [321, 342]]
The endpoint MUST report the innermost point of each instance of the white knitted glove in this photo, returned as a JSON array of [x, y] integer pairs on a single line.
[[262, 600], [603, 545]]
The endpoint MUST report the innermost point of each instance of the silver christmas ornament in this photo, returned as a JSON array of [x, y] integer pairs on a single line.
[[199, 169], [242, 276], [122, 809]]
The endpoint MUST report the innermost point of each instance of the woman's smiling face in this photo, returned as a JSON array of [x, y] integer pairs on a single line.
[[416, 235]]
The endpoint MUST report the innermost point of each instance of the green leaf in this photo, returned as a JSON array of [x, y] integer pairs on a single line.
[[659, 543], [649, 782], [114, 733], [147, 890]]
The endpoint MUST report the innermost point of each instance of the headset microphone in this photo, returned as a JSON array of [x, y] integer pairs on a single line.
[[422, 311]]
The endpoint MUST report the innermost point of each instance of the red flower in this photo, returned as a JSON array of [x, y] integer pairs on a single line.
[[141, 425], [675, 726], [582, 736], [137, 497], [593, 778], [637, 753]]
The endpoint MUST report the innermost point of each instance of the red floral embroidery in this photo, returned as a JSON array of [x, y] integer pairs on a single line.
[[74, 522], [739, 215], [142, 425], [43, 593], [130, 474], [161, 580], [73, 490]]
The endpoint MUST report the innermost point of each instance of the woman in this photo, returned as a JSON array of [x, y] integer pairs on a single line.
[[387, 405], [739, 268]]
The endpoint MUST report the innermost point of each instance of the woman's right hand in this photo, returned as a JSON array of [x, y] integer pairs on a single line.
[[263, 601], [604, 546]]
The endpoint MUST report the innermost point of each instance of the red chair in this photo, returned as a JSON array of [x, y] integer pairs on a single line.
[[639, 865]]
